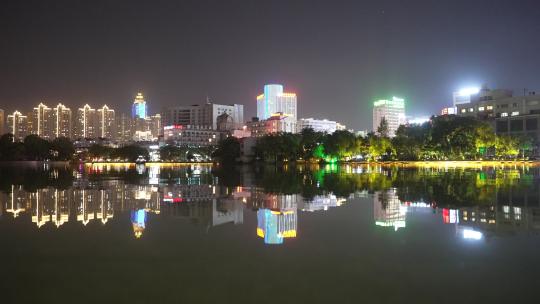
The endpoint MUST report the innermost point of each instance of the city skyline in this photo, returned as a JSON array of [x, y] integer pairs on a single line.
[[337, 58]]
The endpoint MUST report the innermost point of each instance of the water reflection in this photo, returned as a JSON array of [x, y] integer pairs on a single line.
[[479, 203]]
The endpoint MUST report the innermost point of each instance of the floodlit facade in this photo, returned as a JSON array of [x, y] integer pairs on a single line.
[[124, 128], [318, 125], [463, 96], [106, 122], [139, 109], [17, 125], [508, 114], [62, 124], [42, 121], [86, 122], [393, 111], [277, 123], [191, 136], [388, 210], [203, 115], [274, 100]]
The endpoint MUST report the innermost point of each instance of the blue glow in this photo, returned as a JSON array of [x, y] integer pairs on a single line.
[[268, 222], [139, 217], [139, 110]]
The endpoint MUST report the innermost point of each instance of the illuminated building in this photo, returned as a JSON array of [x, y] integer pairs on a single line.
[[191, 136], [138, 109], [17, 200], [106, 122], [510, 115], [62, 126], [2, 121], [277, 123], [86, 122], [17, 125], [388, 211], [463, 96], [393, 111], [60, 214], [205, 115], [274, 100], [42, 121], [275, 226], [124, 128], [155, 126], [317, 125], [449, 111]]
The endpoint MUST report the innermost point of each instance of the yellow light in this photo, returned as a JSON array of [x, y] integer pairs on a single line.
[[260, 232]]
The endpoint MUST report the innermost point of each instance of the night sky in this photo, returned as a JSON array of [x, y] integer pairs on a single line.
[[338, 56]]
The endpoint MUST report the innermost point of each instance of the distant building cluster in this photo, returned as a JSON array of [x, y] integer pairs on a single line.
[[86, 122]]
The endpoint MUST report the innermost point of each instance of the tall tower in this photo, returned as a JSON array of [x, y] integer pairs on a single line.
[[106, 122], [86, 122], [393, 111], [274, 100], [17, 125], [42, 121], [61, 121], [139, 107]]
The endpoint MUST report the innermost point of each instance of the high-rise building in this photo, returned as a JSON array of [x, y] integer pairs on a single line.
[[86, 122], [106, 122], [124, 128], [17, 125], [393, 111], [62, 124], [2, 121], [139, 107], [155, 125], [274, 100], [202, 115], [42, 121]]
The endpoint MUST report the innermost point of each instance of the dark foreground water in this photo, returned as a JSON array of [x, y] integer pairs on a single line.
[[197, 234]]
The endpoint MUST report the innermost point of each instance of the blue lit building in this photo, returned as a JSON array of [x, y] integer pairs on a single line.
[[274, 100], [274, 226], [139, 107]]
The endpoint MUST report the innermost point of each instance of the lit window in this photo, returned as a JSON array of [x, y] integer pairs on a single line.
[[489, 108], [481, 109], [515, 113], [463, 110], [504, 114], [471, 109]]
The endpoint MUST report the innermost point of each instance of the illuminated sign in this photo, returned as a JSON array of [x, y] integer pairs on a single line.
[[173, 127]]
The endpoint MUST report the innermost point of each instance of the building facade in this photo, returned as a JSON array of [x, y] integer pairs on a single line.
[[191, 136], [274, 100], [508, 114], [277, 123], [106, 122], [62, 123], [393, 111], [318, 125], [42, 121], [205, 115], [139, 109], [86, 126], [17, 125]]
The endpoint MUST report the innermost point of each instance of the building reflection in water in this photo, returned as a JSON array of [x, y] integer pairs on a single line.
[[388, 211], [138, 220]]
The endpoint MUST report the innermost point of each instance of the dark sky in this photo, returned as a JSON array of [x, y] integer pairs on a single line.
[[338, 56]]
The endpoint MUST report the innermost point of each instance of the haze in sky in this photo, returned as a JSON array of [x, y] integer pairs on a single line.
[[338, 56]]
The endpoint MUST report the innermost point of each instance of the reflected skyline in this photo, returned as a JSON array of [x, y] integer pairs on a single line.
[[101, 193]]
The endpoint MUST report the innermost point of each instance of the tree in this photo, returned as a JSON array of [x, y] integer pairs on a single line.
[[383, 129], [63, 148], [228, 150], [172, 153], [36, 147]]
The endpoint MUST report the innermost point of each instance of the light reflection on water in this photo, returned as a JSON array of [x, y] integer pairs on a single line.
[[500, 202]]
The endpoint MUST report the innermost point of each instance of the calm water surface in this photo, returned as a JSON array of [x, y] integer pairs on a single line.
[[192, 234]]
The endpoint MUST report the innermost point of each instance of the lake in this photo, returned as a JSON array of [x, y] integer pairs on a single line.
[[266, 234]]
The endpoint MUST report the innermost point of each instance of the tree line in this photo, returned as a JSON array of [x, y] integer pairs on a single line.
[[446, 137], [34, 148]]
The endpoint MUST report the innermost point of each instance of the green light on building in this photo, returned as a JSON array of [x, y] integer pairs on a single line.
[[396, 102]]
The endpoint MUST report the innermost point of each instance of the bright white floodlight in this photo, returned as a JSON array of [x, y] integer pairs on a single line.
[[469, 91]]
